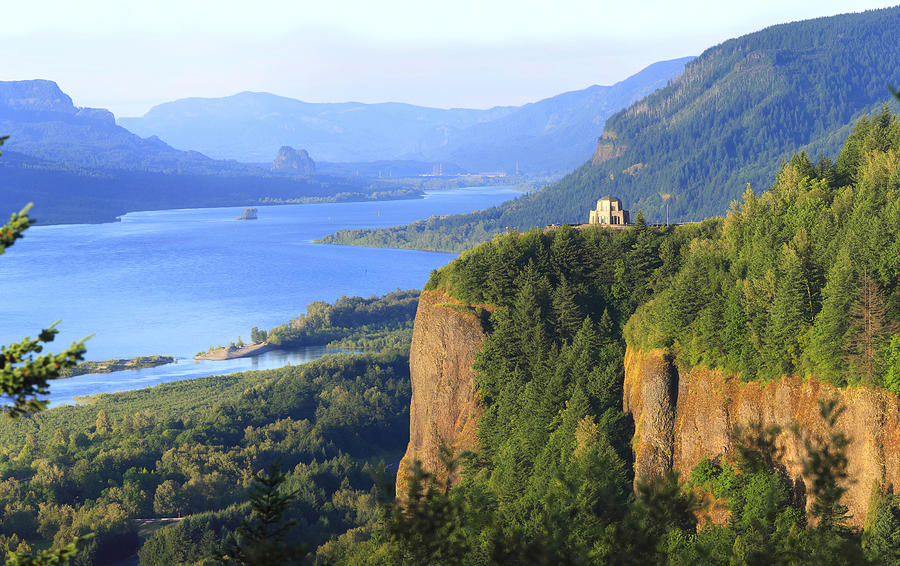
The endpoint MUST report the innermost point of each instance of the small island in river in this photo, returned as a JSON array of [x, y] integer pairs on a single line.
[[117, 364], [232, 351], [249, 214]]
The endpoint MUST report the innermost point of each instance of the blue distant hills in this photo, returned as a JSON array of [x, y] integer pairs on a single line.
[[550, 136]]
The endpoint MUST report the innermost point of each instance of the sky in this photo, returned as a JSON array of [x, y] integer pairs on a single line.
[[130, 55]]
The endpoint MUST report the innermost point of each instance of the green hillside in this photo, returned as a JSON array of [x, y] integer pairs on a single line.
[[803, 279], [728, 120]]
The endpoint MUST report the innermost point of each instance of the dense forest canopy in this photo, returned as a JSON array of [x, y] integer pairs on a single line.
[[190, 449], [804, 278]]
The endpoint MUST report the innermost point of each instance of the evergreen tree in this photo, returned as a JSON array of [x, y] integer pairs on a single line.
[[789, 316], [103, 425], [261, 538], [831, 322], [868, 328], [25, 376], [567, 314]]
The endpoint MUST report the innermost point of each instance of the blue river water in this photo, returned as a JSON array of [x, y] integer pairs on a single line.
[[175, 282]]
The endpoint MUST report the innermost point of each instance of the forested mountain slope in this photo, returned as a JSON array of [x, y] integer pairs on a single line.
[[803, 279], [728, 120], [555, 134]]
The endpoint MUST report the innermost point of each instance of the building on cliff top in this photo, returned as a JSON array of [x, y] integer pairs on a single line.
[[609, 211]]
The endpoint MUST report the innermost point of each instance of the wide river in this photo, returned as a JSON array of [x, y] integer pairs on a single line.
[[175, 282]]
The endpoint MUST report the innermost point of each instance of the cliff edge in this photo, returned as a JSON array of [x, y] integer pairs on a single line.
[[444, 407], [679, 419]]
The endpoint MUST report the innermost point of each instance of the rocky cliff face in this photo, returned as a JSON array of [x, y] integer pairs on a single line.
[[290, 159], [444, 407], [679, 419], [43, 100], [607, 148]]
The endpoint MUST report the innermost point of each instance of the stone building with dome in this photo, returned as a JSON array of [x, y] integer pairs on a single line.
[[609, 211]]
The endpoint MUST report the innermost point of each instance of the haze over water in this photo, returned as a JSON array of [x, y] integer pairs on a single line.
[[175, 282]]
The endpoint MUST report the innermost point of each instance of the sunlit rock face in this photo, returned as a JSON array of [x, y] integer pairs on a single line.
[[444, 408], [680, 418]]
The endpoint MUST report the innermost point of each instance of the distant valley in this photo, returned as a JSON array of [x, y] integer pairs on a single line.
[[550, 136]]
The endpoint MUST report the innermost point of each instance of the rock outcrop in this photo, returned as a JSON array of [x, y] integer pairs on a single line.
[[444, 408], [607, 148], [35, 96], [292, 160], [679, 419]]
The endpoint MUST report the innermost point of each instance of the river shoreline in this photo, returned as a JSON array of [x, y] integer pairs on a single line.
[[231, 353], [117, 364]]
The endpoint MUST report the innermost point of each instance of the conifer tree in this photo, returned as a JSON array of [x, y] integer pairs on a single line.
[[568, 315], [789, 315], [24, 377], [24, 374], [831, 322], [262, 537], [868, 328]]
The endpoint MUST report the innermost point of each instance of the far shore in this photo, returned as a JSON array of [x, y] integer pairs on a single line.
[[230, 352], [117, 364]]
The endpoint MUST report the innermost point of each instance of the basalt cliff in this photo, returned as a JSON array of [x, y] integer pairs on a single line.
[[680, 418], [444, 408]]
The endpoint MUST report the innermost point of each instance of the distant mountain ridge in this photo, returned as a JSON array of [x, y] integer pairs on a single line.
[[251, 126], [556, 134], [76, 165], [43, 122], [549, 136]]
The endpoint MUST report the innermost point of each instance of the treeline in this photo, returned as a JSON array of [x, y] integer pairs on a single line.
[[190, 449], [804, 278], [100, 195], [455, 233], [735, 112], [349, 321]]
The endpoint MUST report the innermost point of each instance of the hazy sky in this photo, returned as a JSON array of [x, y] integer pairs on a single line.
[[127, 55]]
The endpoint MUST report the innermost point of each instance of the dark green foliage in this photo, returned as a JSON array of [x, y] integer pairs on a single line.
[[349, 321], [192, 448], [882, 541], [759, 292], [801, 279], [56, 557], [552, 473], [583, 522], [767, 523], [260, 539]]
